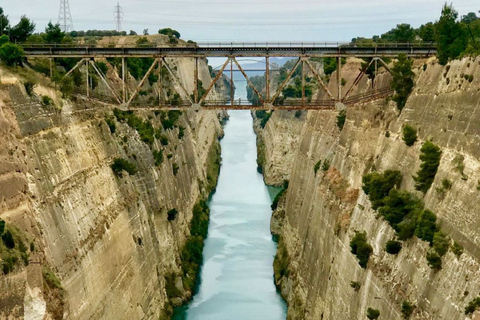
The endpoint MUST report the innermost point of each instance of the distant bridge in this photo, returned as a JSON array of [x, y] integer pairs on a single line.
[[231, 51]]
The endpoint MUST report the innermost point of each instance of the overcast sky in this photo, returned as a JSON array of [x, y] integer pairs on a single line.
[[244, 20]]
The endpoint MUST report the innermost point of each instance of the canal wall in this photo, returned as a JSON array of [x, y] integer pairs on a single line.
[[91, 243], [323, 208]]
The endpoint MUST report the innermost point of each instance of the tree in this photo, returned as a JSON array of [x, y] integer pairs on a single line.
[[53, 33], [4, 23], [469, 18], [132, 33], [403, 33], [4, 39], [373, 314], [11, 54], [407, 309], [145, 32], [427, 32], [426, 226], [7, 238], [409, 135], [430, 156], [22, 30], [451, 36], [403, 80], [361, 248], [169, 32]]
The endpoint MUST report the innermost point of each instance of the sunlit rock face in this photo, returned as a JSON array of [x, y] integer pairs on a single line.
[[323, 210]]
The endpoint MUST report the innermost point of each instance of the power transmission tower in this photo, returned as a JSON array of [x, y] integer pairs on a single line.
[[65, 16], [118, 16]]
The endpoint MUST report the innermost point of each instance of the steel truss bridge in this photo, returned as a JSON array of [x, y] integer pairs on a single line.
[[303, 52]]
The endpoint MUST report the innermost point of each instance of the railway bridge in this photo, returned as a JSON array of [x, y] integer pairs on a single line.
[[302, 52]]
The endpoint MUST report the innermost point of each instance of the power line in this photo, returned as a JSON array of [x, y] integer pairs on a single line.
[[118, 16], [65, 16]]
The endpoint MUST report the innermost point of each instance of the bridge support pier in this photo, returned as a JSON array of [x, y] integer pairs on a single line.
[[339, 78], [88, 78], [267, 78]]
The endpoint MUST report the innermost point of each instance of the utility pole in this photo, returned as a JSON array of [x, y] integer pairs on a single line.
[[118, 16], [65, 16]]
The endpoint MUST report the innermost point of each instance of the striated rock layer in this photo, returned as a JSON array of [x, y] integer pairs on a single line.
[[322, 211], [107, 238]]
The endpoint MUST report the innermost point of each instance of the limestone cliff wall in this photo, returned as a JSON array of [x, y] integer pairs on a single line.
[[277, 144], [323, 210], [107, 238]]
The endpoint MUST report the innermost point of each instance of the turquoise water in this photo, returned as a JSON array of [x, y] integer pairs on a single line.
[[236, 279]]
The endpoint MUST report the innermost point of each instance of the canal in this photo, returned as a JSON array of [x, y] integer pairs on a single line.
[[236, 278]]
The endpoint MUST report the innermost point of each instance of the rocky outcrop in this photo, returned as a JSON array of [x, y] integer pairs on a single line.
[[101, 243], [315, 268]]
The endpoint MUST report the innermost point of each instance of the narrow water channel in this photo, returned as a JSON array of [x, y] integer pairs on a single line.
[[236, 279]]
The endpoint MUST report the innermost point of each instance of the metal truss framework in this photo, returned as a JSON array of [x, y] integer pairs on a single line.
[[268, 99]]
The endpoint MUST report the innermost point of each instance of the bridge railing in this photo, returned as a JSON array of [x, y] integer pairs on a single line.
[[239, 45]]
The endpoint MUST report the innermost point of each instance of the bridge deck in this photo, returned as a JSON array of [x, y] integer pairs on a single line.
[[229, 50]]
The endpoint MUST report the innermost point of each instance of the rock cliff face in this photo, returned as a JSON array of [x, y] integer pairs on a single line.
[[106, 238], [322, 211], [277, 144]]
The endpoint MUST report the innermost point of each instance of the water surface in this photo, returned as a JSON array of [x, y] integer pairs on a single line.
[[236, 279]]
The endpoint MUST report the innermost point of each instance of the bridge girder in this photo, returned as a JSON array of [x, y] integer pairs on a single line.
[[268, 102]]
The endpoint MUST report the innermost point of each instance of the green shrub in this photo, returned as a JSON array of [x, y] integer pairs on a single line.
[[46, 101], [144, 128], [51, 279], [11, 54], [298, 114], [158, 157], [175, 168], [2, 226], [361, 248], [120, 165], [428, 169], [441, 243], [264, 116], [102, 67], [111, 124], [341, 117], [401, 207], [274, 204], [457, 249], [355, 285], [403, 80], [458, 164], [446, 184], [426, 226], [409, 135], [472, 306], [434, 260], [29, 86], [393, 247], [317, 166], [407, 309], [191, 253], [7, 239], [373, 313], [181, 132], [325, 165], [164, 140], [378, 185], [170, 287], [172, 214]]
